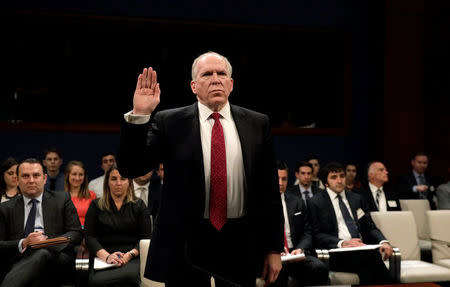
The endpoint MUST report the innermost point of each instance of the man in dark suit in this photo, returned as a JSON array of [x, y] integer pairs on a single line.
[[378, 196], [305, 189], [417, 184], [34, 217], [220, 211], [339, 219], [310, 271]]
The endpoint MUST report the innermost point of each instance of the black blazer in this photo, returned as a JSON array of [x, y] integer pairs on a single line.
[[301, 233], [389, 193], [59, 215], [324, 222], [173, 138]]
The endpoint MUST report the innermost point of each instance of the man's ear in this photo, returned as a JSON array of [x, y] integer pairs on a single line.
[[193, 87]]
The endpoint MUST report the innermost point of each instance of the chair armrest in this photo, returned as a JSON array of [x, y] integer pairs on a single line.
[[395, 263], [324, 256]]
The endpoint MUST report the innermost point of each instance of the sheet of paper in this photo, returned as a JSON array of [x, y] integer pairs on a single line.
[[365, 247], [100, 264]]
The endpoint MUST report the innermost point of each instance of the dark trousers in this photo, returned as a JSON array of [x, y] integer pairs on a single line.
[[127, 275], [227, 255], [41, 267], [366, 263], [309, 272]]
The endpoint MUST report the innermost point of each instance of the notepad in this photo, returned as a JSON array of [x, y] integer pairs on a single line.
[[292, 258], [100, 264]]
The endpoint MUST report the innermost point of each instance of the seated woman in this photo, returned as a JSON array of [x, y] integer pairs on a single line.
[[76, 182], [115, 224], [8, 179]]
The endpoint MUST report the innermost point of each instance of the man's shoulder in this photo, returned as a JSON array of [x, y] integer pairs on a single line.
[[56, 196], [178, 112], [11, 204], [293, 189], [247, 112], [97, 179]]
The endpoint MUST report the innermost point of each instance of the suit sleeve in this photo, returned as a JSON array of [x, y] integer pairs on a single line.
[[9, 246], [140, 147], [371, 234], [72, 222]]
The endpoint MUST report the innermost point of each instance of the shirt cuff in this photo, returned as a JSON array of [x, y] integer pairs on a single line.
[[415, 188], [136, 119], [20, 245], [339, 245], [385, 241]]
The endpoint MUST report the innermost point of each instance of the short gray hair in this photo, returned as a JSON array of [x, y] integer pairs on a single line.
[[194, 64]]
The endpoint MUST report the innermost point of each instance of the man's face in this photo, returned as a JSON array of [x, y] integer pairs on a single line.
[[282, 179], [52, 162], [212, 85], [350, 172], [107, 162], [336, 181], [31, 179], [316, 166], [304, 176], [420, 163], [378, 174], [160, 171]]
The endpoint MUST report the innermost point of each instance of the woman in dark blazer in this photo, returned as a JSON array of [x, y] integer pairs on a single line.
[[114, 225]]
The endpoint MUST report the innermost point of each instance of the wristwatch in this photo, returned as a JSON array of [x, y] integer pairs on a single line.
[[132, 253]]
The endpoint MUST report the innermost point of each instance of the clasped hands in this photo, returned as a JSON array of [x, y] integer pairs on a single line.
[[33, 238], [118, 258]]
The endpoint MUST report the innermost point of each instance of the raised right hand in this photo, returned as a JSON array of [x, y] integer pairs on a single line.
[[146, 95]]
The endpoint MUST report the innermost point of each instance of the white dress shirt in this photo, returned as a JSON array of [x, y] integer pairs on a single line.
[[235, 163], [39, 220], [343, 233], [96, 185], [382, 200], [141, 191], [287, 228]]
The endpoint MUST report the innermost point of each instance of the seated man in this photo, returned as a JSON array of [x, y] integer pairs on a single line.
[[31, 218], [96, 185], [340, 218], [305, 189], [298, 237], [377, 196]]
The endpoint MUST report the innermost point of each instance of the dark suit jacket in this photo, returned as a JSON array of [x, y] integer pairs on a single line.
[[59, 215], [154, 196], [295, 189], [301, 234], [405, 188], [324, 222], [389, 193], [173, 137]]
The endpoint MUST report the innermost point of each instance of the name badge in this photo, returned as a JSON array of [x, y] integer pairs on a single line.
[[298, 213], [392, 203], [360, 213], [432, 188]]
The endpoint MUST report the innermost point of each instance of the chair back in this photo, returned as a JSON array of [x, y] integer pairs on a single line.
[[419, 208], [439, 222], [399, 227]]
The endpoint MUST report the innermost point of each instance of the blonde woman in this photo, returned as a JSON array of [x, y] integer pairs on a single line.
[[76, 183], [115, 224]]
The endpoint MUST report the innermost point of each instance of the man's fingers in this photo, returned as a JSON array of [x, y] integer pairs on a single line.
[[153, 80]]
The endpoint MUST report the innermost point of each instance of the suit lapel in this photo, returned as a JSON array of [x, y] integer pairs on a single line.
[[243, 128], [46, 205], [19, 216], [353, 204], [329, 206], [195, 140]]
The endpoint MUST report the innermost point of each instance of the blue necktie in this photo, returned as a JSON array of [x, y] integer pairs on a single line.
[[351, 225], [29, 226]]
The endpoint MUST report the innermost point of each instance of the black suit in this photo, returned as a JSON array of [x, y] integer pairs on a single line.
[[405, 186], [368, 265], [173, 138], [312, 271], [60, 219], [154, 196], [389, 193]]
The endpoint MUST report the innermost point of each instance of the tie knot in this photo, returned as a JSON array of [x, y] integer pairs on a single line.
[[378, 190], [33, 201], [215, 116]]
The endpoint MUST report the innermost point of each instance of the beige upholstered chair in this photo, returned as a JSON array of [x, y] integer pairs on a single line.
[[439, 223], [399, 227], [419, 208], [143, 251]]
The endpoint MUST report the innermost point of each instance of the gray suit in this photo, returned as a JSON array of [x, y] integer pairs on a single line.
[[60, 219]]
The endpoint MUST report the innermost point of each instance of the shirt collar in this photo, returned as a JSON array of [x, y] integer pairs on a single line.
[[26, 200], [416, 175], [205, 112], [136, 186], [333, 195], [373, 188], [302, 189]]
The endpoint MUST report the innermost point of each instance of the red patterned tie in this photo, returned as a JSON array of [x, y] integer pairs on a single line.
[[218, 191]]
